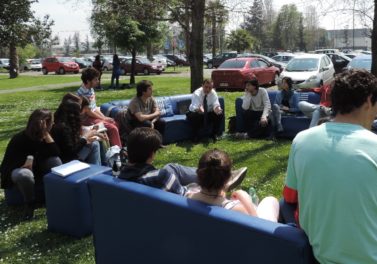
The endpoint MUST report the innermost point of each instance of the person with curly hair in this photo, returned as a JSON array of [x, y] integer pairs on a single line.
[[67, 132], [29, 155], [214, 171]]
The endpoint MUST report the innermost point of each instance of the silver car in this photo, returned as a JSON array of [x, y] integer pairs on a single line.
[[309, 70]]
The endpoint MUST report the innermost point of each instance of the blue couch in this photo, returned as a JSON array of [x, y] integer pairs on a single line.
[[140, 224], [177, 127], [292, 123]]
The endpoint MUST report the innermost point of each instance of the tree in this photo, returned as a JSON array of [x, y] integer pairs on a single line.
[[17, 28], [254, 23], [302, 45], [67, 46], [76, 43], [286, 30], [240, 40], [86, 44]]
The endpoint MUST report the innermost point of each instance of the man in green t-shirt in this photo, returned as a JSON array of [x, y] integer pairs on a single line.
[[332, 175]]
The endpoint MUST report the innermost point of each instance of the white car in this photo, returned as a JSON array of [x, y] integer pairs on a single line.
[[4, 63], [309, 70]]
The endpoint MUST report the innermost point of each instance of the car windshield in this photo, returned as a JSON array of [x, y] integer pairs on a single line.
[[64, 59], [35, 61], [80, 60], [144, 60], [304, 64], [361, 64], [232, 64]]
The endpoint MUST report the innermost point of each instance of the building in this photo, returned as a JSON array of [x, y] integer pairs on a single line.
[[359, 38]]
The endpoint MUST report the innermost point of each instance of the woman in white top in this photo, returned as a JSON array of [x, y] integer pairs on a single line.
[[214, 171]]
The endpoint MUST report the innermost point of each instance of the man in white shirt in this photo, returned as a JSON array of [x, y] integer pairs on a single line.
[[257, 106], [204, 109]]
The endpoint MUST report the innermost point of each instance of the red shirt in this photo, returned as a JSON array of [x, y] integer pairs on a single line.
[[325, 93]]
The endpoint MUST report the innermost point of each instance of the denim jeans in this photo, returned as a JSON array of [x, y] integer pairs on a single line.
[[185, 175], [91, 153], [310, 110]]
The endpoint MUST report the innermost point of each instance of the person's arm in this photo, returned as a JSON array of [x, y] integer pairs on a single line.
[[96, 114], [216, 105], [143, 117], [195, 103], [246, 204], [246, 101]]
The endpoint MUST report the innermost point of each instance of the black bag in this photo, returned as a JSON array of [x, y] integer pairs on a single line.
[[232, 125]]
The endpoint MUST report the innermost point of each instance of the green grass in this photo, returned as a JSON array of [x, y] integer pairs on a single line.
[[30, 242], [37, 80]]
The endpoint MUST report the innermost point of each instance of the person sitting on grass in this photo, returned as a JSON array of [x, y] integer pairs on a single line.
[[92, 114], [214, 171], [29, 155], [143, 144]]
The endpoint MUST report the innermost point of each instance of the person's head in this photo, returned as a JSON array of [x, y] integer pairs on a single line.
[[71, 96], [145, 88], [351, 90], [97, 58], [142, 144], [286, 83], [115, 57], [40, 122], [89, 77], [252, 86], [207, 86], [68, 115], [214, 170]]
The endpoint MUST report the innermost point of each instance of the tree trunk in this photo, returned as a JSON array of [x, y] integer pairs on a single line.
[[196, 44], [374, 41], [133, 66], [150, 51], [187, 31], [13, 63], [214, 35]]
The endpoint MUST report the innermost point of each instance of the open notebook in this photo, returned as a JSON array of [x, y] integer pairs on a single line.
[[69, 168]]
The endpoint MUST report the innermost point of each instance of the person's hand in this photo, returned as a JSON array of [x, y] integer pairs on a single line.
[[218, 110], [109, 119], [102, 136], [284, 108], [157, 112], [28, 164], [91, 136], [201, 109], [152, 124], [263, 121]]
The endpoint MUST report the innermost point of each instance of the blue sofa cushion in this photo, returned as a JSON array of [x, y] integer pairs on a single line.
[[165, 106]]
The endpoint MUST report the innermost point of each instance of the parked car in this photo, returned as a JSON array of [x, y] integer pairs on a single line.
[[277, 64], [207, 57], [179, 61], [33, 65], [283, 57], [324, 51], [362, 61], [4, 63], [59, 65], [339, 61], [143, 65], [82, 63], [309, 70], [216, 61], [107, 64], [233, 73]]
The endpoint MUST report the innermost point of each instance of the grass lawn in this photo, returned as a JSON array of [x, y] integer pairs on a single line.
[[30, 242]]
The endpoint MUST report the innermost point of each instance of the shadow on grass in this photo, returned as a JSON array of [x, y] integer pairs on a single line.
[[243, 156], [273, 171]]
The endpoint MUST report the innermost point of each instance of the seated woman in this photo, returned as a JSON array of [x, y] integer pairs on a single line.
[[285, 103], [29, 155], [214, 171], [67, 132]]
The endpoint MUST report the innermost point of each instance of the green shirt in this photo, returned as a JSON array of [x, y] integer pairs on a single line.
[[334, 169]]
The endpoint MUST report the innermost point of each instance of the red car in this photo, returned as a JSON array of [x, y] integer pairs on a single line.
[[143, 65], [59, 65], [232, 74]]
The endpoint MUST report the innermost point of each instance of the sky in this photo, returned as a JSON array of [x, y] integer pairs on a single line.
[[72, 16]]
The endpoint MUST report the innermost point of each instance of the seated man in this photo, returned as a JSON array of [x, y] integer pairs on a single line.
[[331, 175], [143, 110], [205, 108], [315, 112], [257, 106], [143, 144]]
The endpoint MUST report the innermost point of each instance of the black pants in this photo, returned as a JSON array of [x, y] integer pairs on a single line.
[[196, 120], [252, 123], [159, 125]]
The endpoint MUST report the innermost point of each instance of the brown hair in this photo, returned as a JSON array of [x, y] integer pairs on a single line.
[[214, 170], [34, 128], [142, 143], [88, 75]]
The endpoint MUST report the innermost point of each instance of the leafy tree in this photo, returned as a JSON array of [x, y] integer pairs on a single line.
[[76, 43], [67, 46], [240, 40], [27, 52], [301, 44], [254, 23], [86, 44], [18, 27]]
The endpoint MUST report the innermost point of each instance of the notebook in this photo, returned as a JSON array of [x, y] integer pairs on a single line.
[[69, 168]]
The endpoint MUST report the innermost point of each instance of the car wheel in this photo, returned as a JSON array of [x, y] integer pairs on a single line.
[[25, 68], [146, 71], [210, 65], [44, 71], [275, 80], [76, 72], [158, 73], [61, 71]]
